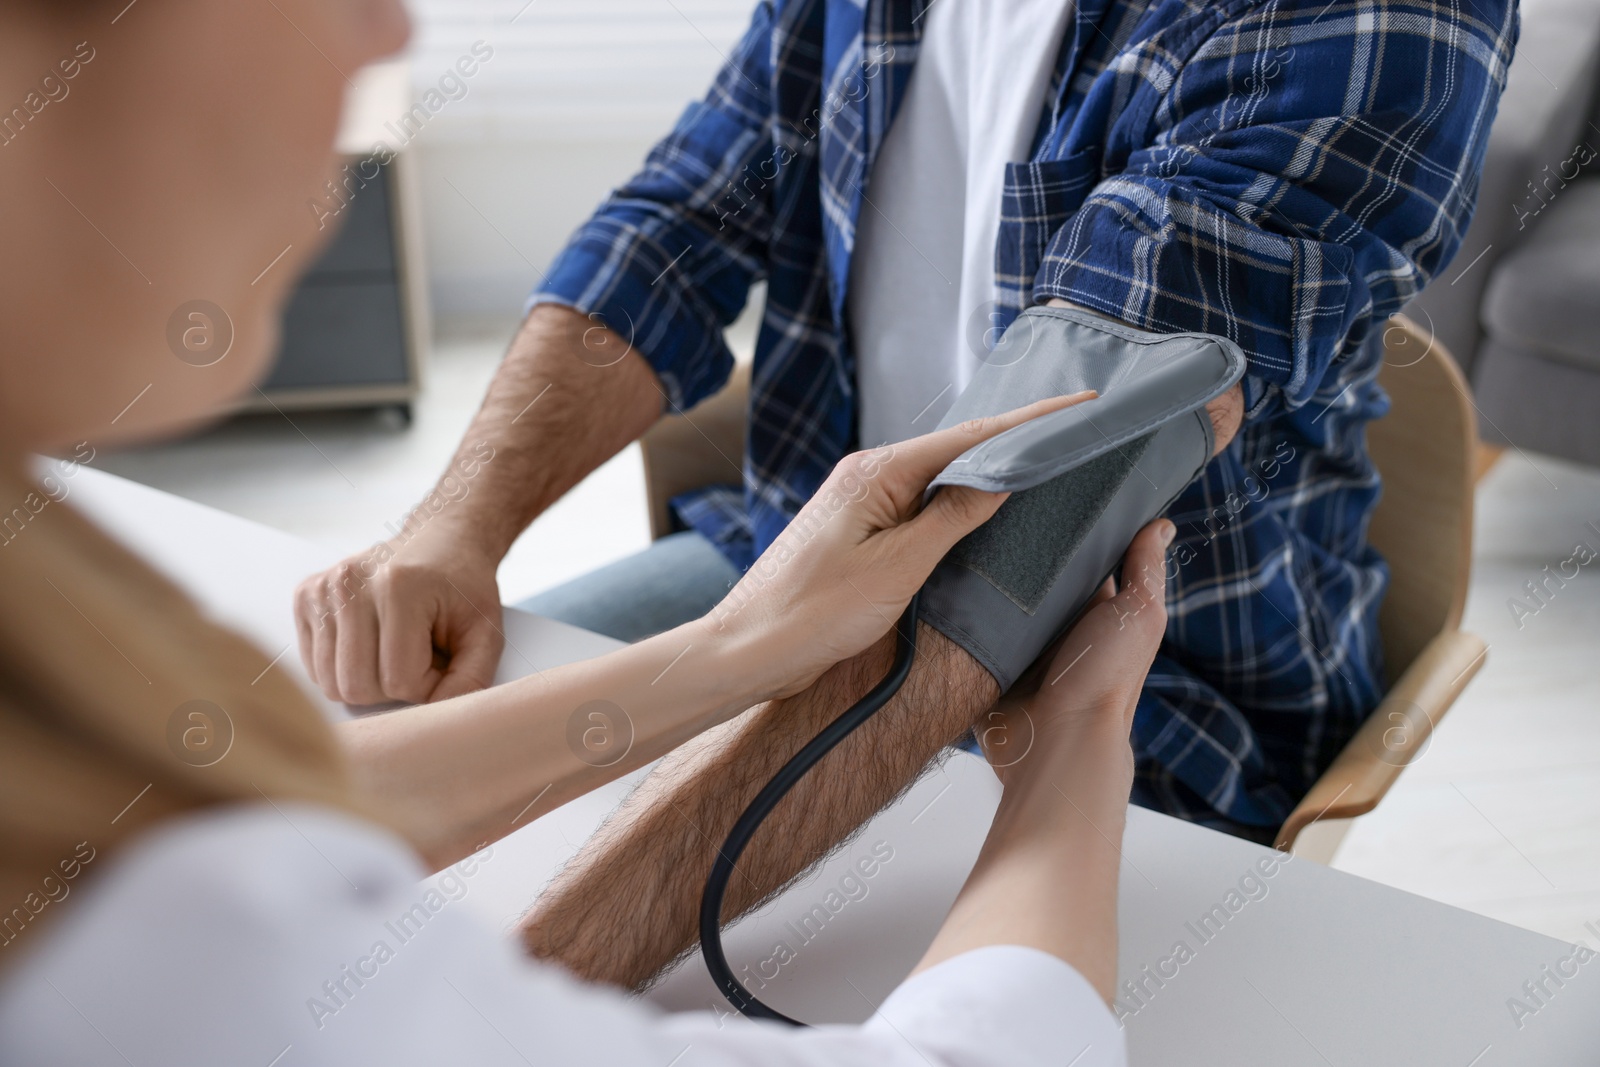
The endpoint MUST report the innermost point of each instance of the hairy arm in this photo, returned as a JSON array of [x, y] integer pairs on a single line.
[[591, 920], [456, 773], [671, 827], [674, 263], [543, 417]]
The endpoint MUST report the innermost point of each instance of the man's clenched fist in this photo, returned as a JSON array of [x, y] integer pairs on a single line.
[[415, 618]]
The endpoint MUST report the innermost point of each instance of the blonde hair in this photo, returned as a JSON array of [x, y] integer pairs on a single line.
[[98, 654]]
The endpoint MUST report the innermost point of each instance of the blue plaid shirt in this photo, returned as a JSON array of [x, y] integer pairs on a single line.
[[1285, 173]]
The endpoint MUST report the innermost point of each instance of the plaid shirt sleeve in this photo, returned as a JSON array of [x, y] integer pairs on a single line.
[[1311, 167], [1286, 173], [668, 260]]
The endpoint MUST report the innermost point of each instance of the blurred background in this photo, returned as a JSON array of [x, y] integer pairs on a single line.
[[483, 193], [395, 335]]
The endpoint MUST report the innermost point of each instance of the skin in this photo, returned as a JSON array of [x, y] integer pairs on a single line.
[[420, 630], [143, 188], [1055, 845], [672, 824], [366, 642], [593, 921], [180, 167], [467, 770]]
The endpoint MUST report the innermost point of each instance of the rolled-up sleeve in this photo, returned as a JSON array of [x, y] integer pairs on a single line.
[[1309, 168], [668, 259]]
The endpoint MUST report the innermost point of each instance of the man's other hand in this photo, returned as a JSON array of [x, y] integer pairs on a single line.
[[415, 620], [1226, 411]]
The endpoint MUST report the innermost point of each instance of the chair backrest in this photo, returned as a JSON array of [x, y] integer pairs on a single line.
[[1425, 451], [703, 447]]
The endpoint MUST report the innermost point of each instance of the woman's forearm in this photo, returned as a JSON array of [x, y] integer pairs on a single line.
[[1047, 875], [454, 774], [460, 773]]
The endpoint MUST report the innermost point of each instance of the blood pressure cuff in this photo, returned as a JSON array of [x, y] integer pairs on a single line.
[[1083, 480]]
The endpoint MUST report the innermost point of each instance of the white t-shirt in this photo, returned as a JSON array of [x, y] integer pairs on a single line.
[[301, 936], [922, 274]]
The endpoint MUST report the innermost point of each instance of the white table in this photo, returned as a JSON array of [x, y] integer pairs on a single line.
[[1321, 969]]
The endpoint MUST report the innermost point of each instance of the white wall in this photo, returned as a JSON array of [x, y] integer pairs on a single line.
[[564, 109], [496, 213]]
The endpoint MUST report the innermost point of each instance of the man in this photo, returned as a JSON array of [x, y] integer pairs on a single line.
[[1285, 173]]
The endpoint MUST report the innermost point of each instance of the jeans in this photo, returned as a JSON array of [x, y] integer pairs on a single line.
[[677, 579]]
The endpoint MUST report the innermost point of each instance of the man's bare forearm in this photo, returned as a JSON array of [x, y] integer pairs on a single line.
[[596, 921], [568, 396]]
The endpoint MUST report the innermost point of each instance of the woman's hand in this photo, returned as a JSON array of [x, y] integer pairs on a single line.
[[1065, 725], [1047, 875], [842, 572]]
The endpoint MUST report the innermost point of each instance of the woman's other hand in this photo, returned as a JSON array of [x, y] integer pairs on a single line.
[[1065, 726], [840, 575], [1047, 875]]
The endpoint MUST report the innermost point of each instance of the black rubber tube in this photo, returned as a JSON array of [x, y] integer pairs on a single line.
[[749, 822]]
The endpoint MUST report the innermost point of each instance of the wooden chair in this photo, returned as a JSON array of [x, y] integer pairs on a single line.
[[1425, 451], [1423, 527], [700, 448]]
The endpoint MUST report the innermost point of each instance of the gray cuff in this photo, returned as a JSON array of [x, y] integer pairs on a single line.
[[1083, 480]]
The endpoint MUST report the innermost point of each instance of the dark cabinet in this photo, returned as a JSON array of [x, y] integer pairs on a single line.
[[354, 329]]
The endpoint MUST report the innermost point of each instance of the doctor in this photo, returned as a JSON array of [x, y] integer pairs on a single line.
[[153, 911]]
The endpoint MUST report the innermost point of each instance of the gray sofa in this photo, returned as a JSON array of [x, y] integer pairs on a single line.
[[1519, 307]]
